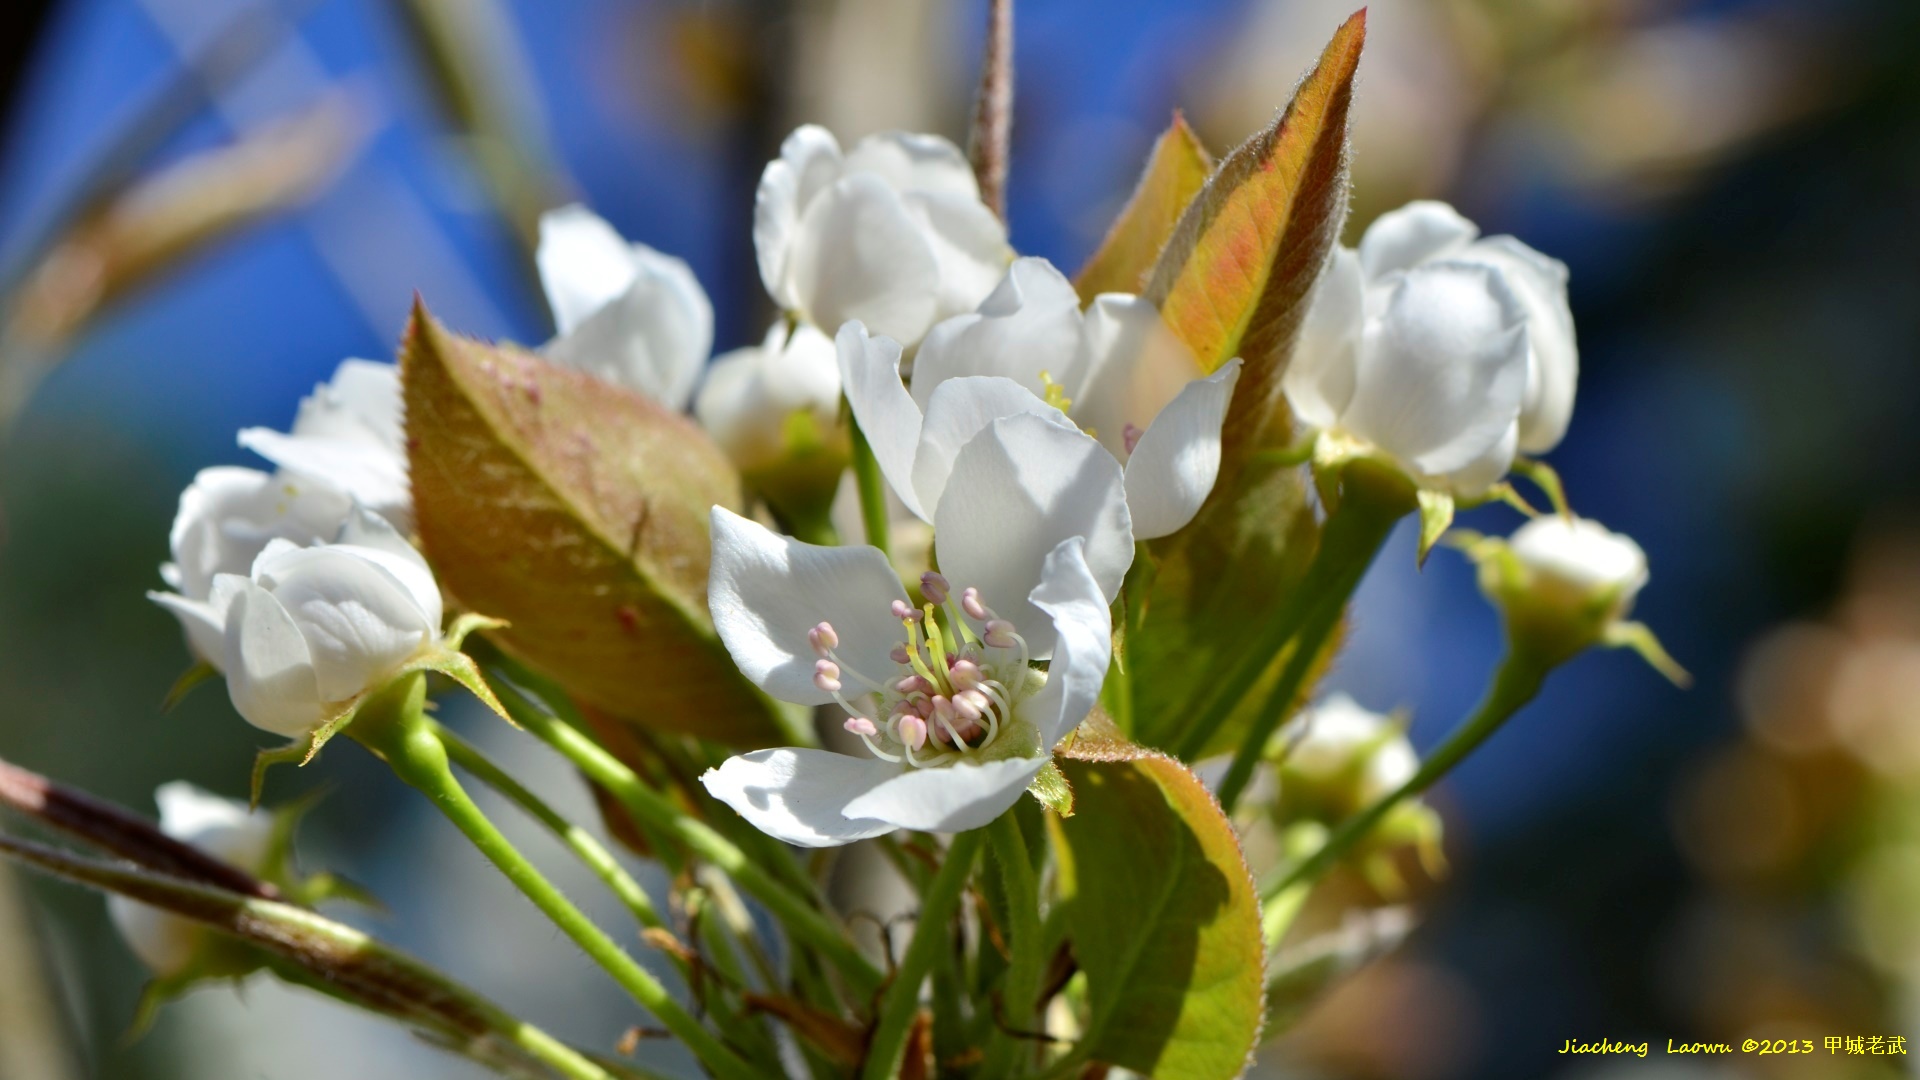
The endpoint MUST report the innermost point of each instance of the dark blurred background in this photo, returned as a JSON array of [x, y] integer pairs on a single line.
[[206, 204]]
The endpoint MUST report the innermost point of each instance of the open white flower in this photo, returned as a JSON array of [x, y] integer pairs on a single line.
[[348, 433], [222, 828], [313, 628], [1445, 353], [1117, 371], [892, 233], [957, 720], [226, 518], [624, 312], [755, 397]]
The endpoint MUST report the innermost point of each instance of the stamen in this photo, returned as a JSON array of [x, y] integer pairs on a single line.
[[899, 654], [826, 676], [913, 735], [1055, 395], [824, 640], [999, 634], [936, 646], [934, 586], [970, 603], [860, 725], [905, 612], [964, 674], [1130, 435]]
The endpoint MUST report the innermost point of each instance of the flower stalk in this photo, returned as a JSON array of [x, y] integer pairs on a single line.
[[395, 728], [1023, 940], [1516, 682], [902, 999], [872, 488]]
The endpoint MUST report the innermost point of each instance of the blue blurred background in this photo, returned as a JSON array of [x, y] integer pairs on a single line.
[[1735, 185]]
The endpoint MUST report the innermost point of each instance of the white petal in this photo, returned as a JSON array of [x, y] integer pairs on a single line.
[[1417, 232], [270, 674], [809, 161], [1018, 489], [1319, 378], [969, 246], [359, 621], [1441, 374], [1582, 553], [1083, 629], [371, 537], [361, 403], [1135, 366], [914, 162], [955, 798], [1470, 481], [801, 796], [653, 337], [1174, 464], [959, 410], [584, 264], [858, 254], [1541, 284], [376, 476], [164, 942], [766, 591], [1029, 324], [221, 827], [870, 370], [205, 630], [228, 514]]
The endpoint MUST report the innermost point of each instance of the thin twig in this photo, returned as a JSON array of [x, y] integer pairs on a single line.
[[992, 138]]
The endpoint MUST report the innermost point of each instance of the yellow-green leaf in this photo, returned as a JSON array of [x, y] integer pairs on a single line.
[[1236, 274], [1175, 173], [1164, 919], [576, 511]]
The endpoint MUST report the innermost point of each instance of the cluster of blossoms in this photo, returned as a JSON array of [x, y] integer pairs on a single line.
[[1039, 436]]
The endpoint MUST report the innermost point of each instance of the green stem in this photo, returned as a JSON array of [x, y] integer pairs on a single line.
[[902, 1000], [1023, 941], [1370, 507], [1328, 604], [393, 726], [872, 487], [584, 846], [803, 922], [1515, 684]]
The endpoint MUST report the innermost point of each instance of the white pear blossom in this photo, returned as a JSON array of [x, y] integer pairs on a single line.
[[956, 720], [624, 312], [1446, 353], [1033, 540], [752, 395], [310, 629], [1117, 371], [226, 518], [349, 433], [1344, 744], [224, 829], [892, 233]]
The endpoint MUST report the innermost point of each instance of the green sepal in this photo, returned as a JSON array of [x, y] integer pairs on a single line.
[[1436, 514], [294, 752], [459, 667], [1053, 790], [1547, 480], [185, 684], [1639, 637]]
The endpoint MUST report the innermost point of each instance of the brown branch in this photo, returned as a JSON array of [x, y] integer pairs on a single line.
[[992, 138], [117, 830]]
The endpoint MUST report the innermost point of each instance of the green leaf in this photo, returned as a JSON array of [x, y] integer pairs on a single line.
[[1052, 790], [576, 511], [1237, 272], [1175, 173], [1164, 921], [1216, 582], [1235, 281]]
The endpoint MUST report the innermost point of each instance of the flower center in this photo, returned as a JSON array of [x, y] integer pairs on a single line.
[[952, 690]]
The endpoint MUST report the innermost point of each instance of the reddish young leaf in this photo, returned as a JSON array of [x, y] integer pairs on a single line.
[[1175, 173]]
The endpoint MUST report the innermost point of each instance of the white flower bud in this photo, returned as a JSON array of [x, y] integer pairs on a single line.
[[313, 628], [1578, 561], [223, 828], [891, 233], [1352, 756]]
